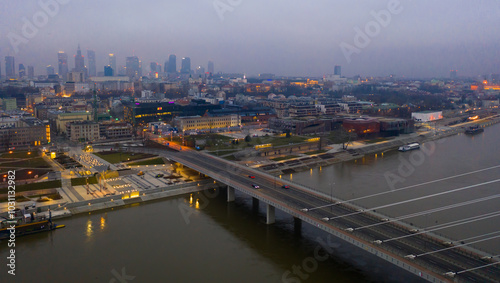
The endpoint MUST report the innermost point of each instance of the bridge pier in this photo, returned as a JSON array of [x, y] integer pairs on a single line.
[[270, 214], [255, 204], [297, 225], [230, 194]]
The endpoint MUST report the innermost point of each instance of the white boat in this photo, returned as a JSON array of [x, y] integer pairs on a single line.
[[410, 146]]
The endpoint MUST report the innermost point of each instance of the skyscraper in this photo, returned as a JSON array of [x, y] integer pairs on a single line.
[[50, 70], [154, 67], [200, 71], [79, 61], [211, 67], [108, 71], [112, 63], [62, 59], [453, 74], [22, 71], [133, 66], [172, 64], [337, 71], [186, 65], [92, 65], [10, 67], [31, 72]]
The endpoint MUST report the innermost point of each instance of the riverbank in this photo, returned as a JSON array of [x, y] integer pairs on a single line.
[[68, 209], [360, 149]]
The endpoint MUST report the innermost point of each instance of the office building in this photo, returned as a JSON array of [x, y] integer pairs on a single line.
[[108, 71], [200, 71], [10, 67], [201, 123], [453, 74], [22, 133], [50, 70], [337, 70], [112, 63], [22, 71], [31, 72], [133, 66], [211, 67], [83, 131], [186, 65], [92, 65], [62, 59], [172, 64]]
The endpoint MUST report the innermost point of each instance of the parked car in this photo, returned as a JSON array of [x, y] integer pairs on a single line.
[[285, 187], [159, 175], [251, 176]]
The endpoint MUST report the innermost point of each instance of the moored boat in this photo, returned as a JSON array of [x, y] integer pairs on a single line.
[[472, 130], [410, 146], [23, 227]]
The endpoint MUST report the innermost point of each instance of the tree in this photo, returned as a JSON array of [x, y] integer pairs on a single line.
[[248, 138], [287, 133]]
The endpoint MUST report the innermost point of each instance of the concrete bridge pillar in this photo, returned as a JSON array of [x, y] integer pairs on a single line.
[[297, 225], [255, 204], [230, 194], [270, 214]]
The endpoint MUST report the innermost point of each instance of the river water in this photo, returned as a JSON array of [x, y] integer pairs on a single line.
[[175, 240]]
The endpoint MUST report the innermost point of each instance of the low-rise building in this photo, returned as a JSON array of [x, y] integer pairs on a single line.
[[64, 118], [427, 116], [83, 131], [112, 130], [301, 126], [23, 133], [206, 122]]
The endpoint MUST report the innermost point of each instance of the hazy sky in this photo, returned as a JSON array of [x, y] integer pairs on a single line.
[[287, 37]]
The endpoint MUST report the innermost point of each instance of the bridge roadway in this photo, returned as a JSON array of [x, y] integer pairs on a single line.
[[431, 267]]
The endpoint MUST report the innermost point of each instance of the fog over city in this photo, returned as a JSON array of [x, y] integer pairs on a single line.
[[296, 38]]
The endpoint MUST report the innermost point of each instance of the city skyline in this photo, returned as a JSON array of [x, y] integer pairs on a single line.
[[423, 39]]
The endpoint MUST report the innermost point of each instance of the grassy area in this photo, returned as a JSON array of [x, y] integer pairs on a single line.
[[37, 162], [148, 162], [279, 141], [20, 154], [83, 181], [315, 152], [230, 158], [117, 157], [18, 199], [34, 186], [285, 157]]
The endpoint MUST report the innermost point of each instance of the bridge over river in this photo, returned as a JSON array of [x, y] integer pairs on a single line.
[[430, 257]]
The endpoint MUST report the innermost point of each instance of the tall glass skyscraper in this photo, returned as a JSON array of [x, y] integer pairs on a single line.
[[186, 65], [112, 63], [62, 60], [92, 65], [10, 67], [172, 64]]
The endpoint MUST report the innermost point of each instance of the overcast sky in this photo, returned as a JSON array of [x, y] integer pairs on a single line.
[[286, 37]]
